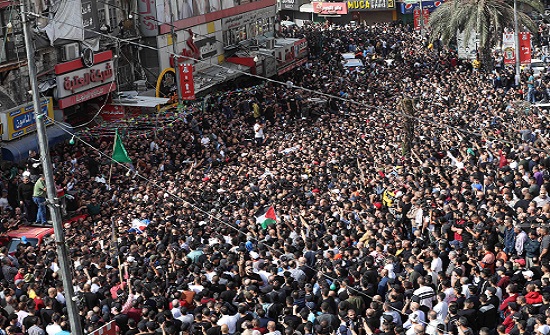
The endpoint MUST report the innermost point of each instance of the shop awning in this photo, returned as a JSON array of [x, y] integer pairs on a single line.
[[138, 100], [215, 75], [306, 8], [18, 150]]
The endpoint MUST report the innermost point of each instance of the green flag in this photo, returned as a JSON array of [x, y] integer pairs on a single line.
[[119, 152]]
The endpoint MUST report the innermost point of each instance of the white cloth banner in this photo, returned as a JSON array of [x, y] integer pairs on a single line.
[[67, 22]]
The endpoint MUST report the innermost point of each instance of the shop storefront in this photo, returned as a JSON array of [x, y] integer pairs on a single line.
[[372, 11], [19, 126]]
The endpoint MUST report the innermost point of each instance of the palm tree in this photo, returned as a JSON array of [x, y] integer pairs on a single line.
[[488, 18]]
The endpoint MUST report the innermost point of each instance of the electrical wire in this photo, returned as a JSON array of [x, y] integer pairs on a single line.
[[327, 95]]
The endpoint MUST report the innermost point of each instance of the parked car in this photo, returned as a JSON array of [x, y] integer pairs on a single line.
[[34, 234]]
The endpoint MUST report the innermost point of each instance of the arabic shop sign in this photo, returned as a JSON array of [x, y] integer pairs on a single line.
[[366, 5], [84, 79], [20, 120]]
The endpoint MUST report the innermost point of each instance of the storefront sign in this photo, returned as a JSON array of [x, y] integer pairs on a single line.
[[290, 4], [148, 25], [112, 112], [84, 79], [300, 48], [330, 8], [87, 95], [247, 18], [186, 81], [524, 47], [207, 47], [366, 5], [20, 120], [408, 8], [508, 48]]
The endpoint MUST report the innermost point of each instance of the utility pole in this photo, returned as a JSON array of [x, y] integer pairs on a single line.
[[52, 201], [176, 57], [516, 42]]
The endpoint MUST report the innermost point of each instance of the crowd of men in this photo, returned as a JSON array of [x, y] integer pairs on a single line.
[[450, 237]]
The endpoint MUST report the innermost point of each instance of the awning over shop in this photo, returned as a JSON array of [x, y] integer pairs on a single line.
[[215, 75], [18, 150], [306, 8], [133, 100]]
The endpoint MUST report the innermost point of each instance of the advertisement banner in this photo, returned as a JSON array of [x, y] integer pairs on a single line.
[[330, 8], [112, 112], [20, 121], [148, 25], [466, 49], [426, 16], [84, 79], [524, 47], [408, 8], [186, 80], [508, 48], [416, 17]]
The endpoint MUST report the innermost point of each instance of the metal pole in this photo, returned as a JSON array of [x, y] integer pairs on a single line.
[[52, 201], [421, 18], [516, 42], [175, 50]]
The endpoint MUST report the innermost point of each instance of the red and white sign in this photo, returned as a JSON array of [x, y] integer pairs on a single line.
[[330, 8], [524, 47], [108, 329], [416, 17], [426, 16], [186, 81], [112, 112], [77, 83], [85, 96], [84, 79]]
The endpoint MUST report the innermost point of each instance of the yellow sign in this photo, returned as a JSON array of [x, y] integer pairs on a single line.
[[363, 5], [20, 121]]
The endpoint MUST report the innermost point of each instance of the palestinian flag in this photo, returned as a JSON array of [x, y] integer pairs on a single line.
[[266, 216]]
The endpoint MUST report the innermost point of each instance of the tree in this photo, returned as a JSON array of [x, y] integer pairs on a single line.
[[487, 18]]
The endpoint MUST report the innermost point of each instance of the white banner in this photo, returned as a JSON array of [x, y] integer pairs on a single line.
[[67, 22], [466, 49]]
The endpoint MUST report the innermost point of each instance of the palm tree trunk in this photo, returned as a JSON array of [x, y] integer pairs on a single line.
[[487, 59]]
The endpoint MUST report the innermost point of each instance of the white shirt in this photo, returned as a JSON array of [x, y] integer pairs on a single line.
[[441, 309], [437, 265], [419, 315], [230, 321], [258, 131], [53, 329]]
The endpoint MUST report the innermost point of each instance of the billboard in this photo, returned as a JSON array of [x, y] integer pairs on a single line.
[[408, 8]]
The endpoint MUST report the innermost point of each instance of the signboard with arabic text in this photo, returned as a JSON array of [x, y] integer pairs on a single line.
[[330, 8], [369, 5], [20, 121], [84, 79]]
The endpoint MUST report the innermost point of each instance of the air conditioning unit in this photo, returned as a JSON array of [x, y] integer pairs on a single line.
[[270, 43], [71, 51]]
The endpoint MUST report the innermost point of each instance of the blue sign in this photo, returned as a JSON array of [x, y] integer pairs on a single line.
[[408, 8]]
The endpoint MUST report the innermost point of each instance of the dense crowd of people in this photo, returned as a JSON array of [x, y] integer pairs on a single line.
[[448, 238]]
